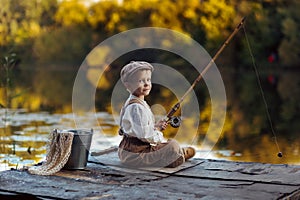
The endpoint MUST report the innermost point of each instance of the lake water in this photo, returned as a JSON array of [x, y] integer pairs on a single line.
[[24, 137], [45, 96]]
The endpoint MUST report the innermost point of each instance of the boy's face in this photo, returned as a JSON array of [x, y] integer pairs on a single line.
[[140, 83]]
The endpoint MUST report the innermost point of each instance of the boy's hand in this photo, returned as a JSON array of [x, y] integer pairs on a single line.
[[161, 125]]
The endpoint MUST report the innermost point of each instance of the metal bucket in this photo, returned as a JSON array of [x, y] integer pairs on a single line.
[[80, 149]]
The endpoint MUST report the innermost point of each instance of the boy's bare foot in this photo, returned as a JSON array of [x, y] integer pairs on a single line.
[[188, 152]]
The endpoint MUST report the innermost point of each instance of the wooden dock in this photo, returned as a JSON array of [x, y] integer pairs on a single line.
[[105, 178]]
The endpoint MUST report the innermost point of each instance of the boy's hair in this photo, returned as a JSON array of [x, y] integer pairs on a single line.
[[132, 67]]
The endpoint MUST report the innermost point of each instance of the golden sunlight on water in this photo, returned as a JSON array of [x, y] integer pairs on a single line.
[[24, 138]]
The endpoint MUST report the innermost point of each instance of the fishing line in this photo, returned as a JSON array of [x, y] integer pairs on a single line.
[[262, 92]]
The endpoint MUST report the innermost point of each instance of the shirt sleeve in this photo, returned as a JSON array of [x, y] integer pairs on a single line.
[[138, 122]]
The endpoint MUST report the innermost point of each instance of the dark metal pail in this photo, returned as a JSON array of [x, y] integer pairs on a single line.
[[80, 149]]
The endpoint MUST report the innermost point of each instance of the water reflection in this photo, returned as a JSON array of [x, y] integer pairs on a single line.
[[246, 134], [24, 138], [262, 148], [24, 135]]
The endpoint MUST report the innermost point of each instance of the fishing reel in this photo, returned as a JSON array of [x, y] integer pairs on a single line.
[[175, 121]]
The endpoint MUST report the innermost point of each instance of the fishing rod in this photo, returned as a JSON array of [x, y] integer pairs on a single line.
[[176, 121]]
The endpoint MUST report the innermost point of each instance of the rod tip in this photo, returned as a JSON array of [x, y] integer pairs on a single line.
[[243, 20]]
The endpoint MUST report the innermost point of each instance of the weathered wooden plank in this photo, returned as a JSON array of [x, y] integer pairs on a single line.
[[207, 179], [70, 184], [57, 187], [223, 189], [258, 172], [166, 188], [48, 186], [106, 175]]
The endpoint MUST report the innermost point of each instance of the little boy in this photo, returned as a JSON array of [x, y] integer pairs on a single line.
[[143, 143]]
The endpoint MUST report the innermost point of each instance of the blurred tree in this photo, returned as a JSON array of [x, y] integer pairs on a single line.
[[47, 17], [289, 91], [289, 49], [6, 19], [216, 19], [251, 103], [20, 24], [21, 20], [101, 13], [71, 13], [65, 46], [165, 14], [261, 29], [69, 41]]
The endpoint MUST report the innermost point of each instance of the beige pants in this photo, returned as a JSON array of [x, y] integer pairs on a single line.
[[136, 153]]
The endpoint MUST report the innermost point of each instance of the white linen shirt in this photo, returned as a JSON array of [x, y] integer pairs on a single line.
[[138, 121]]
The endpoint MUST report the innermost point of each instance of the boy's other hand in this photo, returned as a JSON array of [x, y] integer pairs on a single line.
[[161, 125]]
